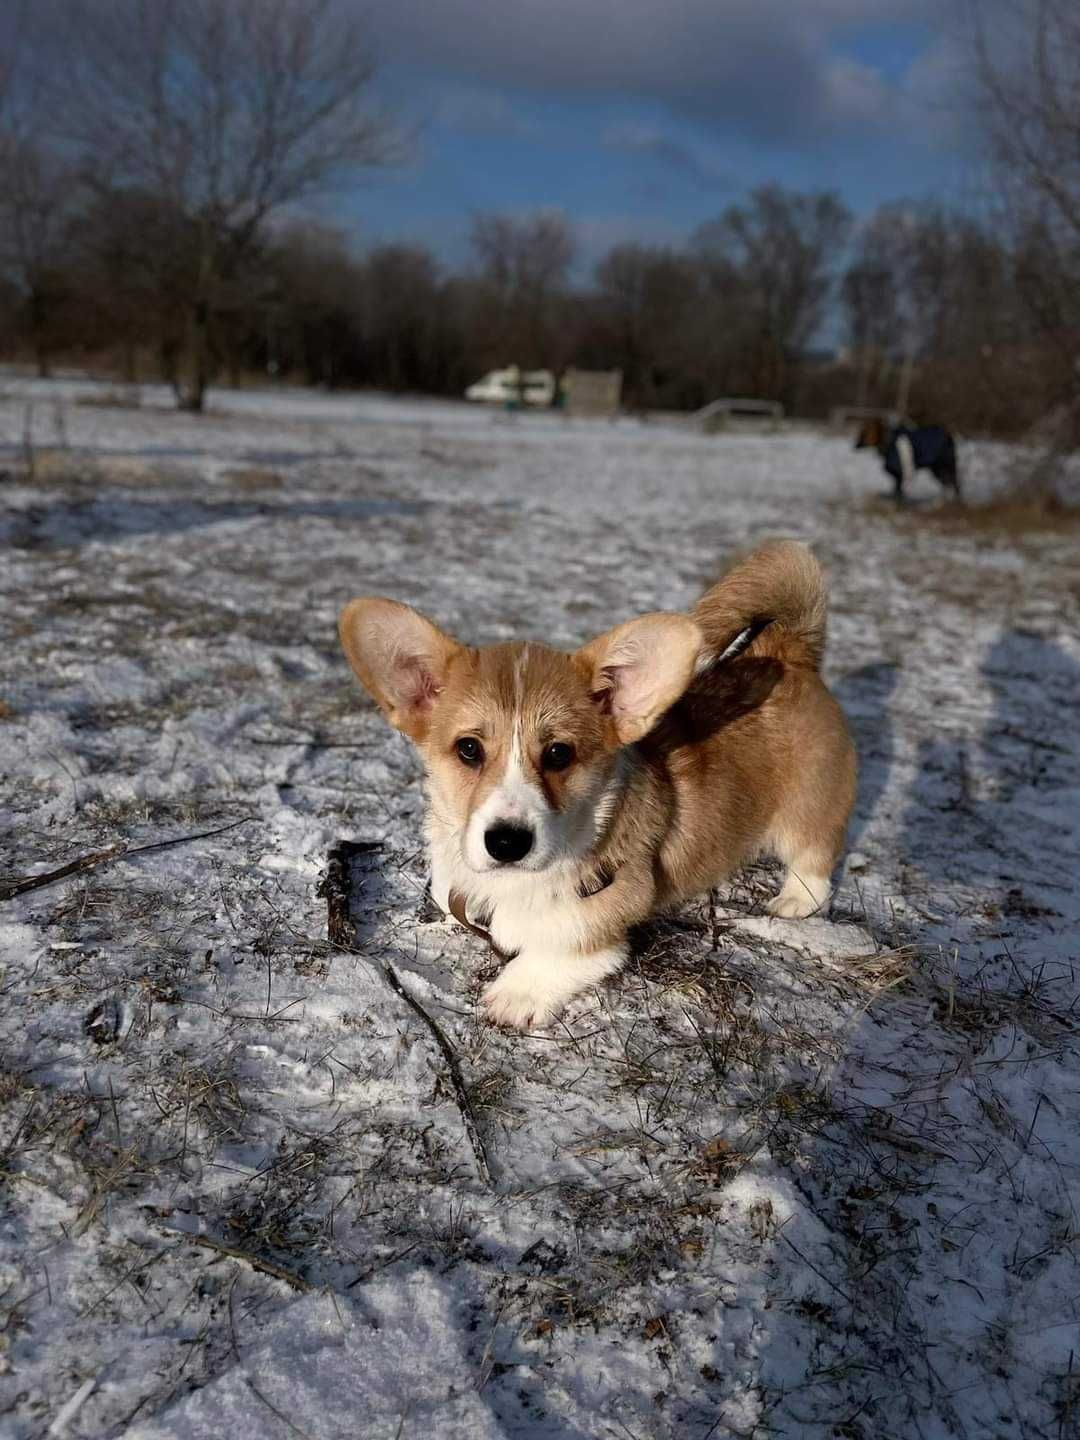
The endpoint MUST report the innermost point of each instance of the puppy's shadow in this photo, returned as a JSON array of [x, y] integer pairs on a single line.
[[715, 700], [865, 696], [980, 801]]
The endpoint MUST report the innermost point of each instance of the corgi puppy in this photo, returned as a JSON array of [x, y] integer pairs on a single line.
[[573, 795]]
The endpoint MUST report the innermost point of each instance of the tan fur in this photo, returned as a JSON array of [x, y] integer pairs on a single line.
[[685, 766], [507, 690], [871, 435]]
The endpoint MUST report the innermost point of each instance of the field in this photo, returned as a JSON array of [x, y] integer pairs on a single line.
[[783, 1178]]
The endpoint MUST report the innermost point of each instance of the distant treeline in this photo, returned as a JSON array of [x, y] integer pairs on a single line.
[[734, 312], [151, 173]]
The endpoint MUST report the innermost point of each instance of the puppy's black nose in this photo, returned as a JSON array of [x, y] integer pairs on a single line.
[[508, 843]]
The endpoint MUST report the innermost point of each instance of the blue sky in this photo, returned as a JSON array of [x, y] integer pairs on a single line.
[[641, 119]]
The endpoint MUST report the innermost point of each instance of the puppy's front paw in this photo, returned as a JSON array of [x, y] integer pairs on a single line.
[[518, 1001], [533, 989]]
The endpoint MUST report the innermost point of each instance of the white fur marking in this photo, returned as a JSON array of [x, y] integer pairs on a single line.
[[513, 801], [520, 665], [801, 895], [734, 646], [532, 989], [906, 451]]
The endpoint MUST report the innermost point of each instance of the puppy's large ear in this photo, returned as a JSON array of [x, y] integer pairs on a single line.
[[638, 670], [401, 659]]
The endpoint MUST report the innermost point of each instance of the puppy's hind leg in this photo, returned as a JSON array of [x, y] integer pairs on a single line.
[[806, 886], [810, 840]]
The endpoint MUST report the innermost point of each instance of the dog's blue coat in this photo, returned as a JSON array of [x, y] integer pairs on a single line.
[[932, 449]]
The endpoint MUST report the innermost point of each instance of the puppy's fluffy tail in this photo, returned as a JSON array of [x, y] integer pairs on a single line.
[[772, 603]]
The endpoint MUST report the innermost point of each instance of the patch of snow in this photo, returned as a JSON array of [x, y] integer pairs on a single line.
[[781, 1177]]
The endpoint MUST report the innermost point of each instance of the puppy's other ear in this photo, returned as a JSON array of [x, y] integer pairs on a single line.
[[638, 670], [400, 657]]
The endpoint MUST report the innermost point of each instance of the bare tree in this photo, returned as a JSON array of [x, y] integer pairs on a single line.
[[400, 312], [1027, 93], [783, 246], [37, 191], [1027, 75], [897, 282], [931, 312], [525, 264], [524, 256], [226, 112], [650, 299], [869, 305], [36, 186]]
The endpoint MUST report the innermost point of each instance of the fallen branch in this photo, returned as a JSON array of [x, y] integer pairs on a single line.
[[266, 1267], [468, 1117], [336, 888], [10, 888]]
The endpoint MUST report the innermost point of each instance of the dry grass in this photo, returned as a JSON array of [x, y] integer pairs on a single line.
[[83, 473], [1010, 516], [127, 398], [253, 479]]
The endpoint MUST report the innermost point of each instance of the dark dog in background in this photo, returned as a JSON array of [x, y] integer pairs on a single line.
[[905, 449]]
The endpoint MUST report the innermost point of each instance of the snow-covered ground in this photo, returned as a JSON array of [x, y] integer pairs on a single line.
[[783, 1178]]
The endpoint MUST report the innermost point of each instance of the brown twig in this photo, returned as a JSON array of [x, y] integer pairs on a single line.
[[10, 888], [468, 1117], [274, 1409], [266, 1267], [336, 888], [102, 1188]]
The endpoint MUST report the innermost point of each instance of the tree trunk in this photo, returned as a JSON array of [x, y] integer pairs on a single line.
[[193, 398], [37, 330], [862, 384], [194, 387], [903, 393], [169, 364]]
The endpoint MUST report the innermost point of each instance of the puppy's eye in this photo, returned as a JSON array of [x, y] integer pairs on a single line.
[[557, 756], [470, 751]]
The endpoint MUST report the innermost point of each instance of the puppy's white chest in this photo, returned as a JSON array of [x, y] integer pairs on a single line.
[[528, 918], [520, 912]]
